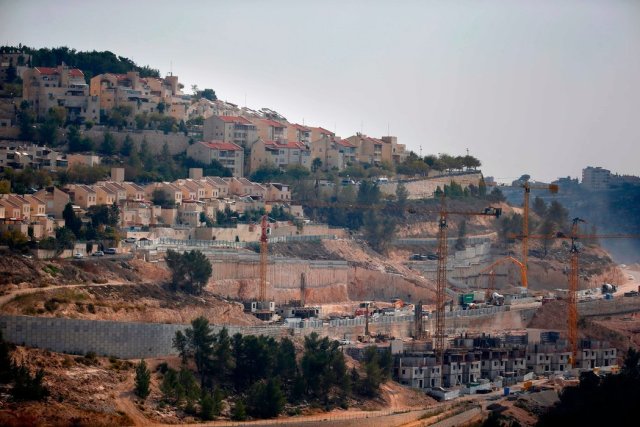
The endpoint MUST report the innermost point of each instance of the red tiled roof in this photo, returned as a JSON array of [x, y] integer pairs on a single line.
[[273, 123], [323, 130], [221, 145], [344, 143], [288, 144], [300, 127], [50, 71], [234, 119]]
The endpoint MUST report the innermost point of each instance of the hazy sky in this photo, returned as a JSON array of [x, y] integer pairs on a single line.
[[538, 87]]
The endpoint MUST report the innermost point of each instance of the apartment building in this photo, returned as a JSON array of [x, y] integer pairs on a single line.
[[299, 133], [270, 130], [596, 179], [236, 129], [20, 156], [46, 87], [279, 154], [230, 155], [141, 94], [320, 133]]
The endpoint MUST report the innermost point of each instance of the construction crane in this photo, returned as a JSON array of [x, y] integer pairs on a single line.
[[492, 275], [441, 278], [574, 277], [553, 188], [262, 294]]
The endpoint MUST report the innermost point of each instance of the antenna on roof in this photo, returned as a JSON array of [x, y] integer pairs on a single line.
[[171, 68], [388, 131]]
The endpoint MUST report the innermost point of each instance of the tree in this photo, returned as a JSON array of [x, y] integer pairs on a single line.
[[402, 194], [200, 340], [316, 164], [462, 233], [558, 214], [239, 411], [143, 379], [127, 146], [71, 220], [496, 196], [210, 405], [26, 119], [209, 94], [108, 145], [539, 206], [190, 271], [161, 107], [265, 399], [547, 228]]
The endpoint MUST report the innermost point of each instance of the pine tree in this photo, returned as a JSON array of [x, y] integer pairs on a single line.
[[143, 379]]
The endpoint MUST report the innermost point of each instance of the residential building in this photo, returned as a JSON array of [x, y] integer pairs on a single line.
[[38, 208], [12, 211], [320, 133], [83, 195], [20, 156], [172, 193], [595, 178], [279, 154], [189, 213], [230, 155], [141, 94], [299, 133], [55, 200], [105, 195], [270, 130], [244, 187], [134, 191], [278, 192], [220, 186], [45, 87], [236, 129]]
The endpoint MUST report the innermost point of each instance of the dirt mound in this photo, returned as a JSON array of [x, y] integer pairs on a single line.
[[20, 272], [80, 393], [130, 303], [552, 315]]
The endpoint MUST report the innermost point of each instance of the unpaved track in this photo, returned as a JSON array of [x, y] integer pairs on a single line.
[[8, 297]]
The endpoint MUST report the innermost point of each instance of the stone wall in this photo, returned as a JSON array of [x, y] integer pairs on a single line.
[[424, 188], [177, 142]]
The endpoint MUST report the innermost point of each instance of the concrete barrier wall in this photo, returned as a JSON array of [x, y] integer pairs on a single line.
[[602, 307], [125, 340], [424, 188]]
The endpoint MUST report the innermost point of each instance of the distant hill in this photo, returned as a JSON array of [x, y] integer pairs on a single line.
[[91, 63]]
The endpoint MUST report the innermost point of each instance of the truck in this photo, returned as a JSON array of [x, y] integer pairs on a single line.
[[608, 288], [496, 299], [466, 299]]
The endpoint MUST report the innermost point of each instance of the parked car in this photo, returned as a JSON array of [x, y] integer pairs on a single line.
[[78, 255], [98, 253], [130, 240], [110, 251]]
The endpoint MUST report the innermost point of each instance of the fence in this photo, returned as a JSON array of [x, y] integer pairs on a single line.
[[192, 243]]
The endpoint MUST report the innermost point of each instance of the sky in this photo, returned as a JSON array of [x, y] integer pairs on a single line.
[[538, 87]]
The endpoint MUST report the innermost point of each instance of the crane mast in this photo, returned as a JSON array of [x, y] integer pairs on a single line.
[[441, 282], [262, 294], [572, 317]]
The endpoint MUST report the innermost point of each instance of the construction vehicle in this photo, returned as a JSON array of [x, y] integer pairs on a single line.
[[608, 288], [496, 299]]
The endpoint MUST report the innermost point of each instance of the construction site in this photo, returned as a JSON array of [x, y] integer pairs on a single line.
[[481, 319]]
